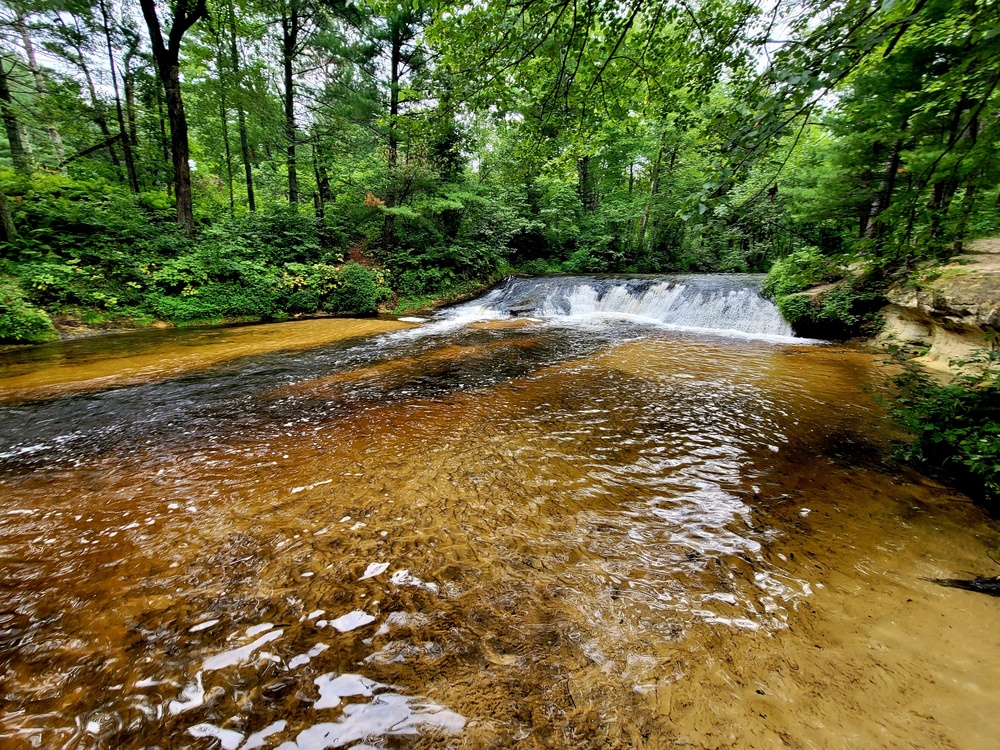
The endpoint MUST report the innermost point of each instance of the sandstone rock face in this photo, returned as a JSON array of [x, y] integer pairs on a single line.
[[952, 312]]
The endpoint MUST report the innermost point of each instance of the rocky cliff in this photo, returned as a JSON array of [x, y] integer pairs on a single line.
[[948, 312]]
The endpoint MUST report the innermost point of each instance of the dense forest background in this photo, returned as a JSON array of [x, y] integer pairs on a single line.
[[202, 159]]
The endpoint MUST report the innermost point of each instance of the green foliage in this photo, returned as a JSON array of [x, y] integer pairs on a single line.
[[833, 314], [821, 297], [798, 271], [797, 308], [846, 308], [21, 322], [541, 267], [358, 290], [955, 426], [91, 247], [275, 236], [248, 296]]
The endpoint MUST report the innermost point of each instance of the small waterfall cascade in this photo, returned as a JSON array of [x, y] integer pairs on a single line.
[[714, 302]]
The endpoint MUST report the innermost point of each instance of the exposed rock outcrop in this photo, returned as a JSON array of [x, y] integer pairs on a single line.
[[950, 311]]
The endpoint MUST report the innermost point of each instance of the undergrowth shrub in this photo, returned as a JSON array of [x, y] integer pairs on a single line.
[[797, 271], [358, 290], [21, 322], [541, 266], [847, 306], [955, 426]]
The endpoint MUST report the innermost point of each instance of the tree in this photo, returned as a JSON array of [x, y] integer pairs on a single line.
[[12, 124], [237, 82], [25, 31], [401, 26], [166, 53], [70, 41], [124, 138]]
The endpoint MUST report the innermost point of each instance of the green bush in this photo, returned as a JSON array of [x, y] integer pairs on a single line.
[[955, 427], [275, 236], [797, 271], [257, 295], [359, 290], [302, 301], [797, 308], [845, 307], [418, 282], [20, 322]]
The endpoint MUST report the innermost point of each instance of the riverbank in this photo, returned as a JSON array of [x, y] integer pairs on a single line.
[[946, 314], [90, 324], [428, 303], [943, 325]]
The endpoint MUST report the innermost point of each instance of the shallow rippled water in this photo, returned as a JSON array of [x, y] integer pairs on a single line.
[[512, 532]]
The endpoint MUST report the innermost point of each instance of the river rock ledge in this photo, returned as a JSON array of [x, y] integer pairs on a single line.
[[948, 312]]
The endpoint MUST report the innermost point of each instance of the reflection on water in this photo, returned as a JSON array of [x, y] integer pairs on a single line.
[[108, 361], [472, 537]]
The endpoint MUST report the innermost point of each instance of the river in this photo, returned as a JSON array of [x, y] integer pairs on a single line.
[[574, 513]]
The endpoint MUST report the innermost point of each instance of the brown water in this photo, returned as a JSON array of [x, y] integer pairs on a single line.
[[113, 361], [604, 534]]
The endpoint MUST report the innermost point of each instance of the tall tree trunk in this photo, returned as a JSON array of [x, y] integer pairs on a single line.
[[395, 61], [395, 65], [36, 72], [179, 150], [583, 180], [245, 149], [18, 152], [941, 196], [647, 217], [654, 189], [323, 193], [133, 130], [221, 78], [876, 229], [128, 79], [167, 57], [164, 139], [318, 198], [133, 179], [289, 42], [102, 123], [965, 211], [7, 229], [865, 209], [241, 117], [95, 103], [969, 199], [224, 114]]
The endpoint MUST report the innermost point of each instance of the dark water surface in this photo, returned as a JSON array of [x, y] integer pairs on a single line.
[[471, 534]]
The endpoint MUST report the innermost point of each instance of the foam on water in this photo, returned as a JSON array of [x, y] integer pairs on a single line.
[[238, 655], [387, 715]]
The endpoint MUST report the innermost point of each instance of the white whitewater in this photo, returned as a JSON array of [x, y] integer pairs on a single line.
[[730, 303]]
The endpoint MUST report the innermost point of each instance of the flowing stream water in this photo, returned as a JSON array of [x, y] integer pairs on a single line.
[[575, 513]]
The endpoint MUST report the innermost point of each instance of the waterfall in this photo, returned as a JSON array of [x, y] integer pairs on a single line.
[[713, 302]]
